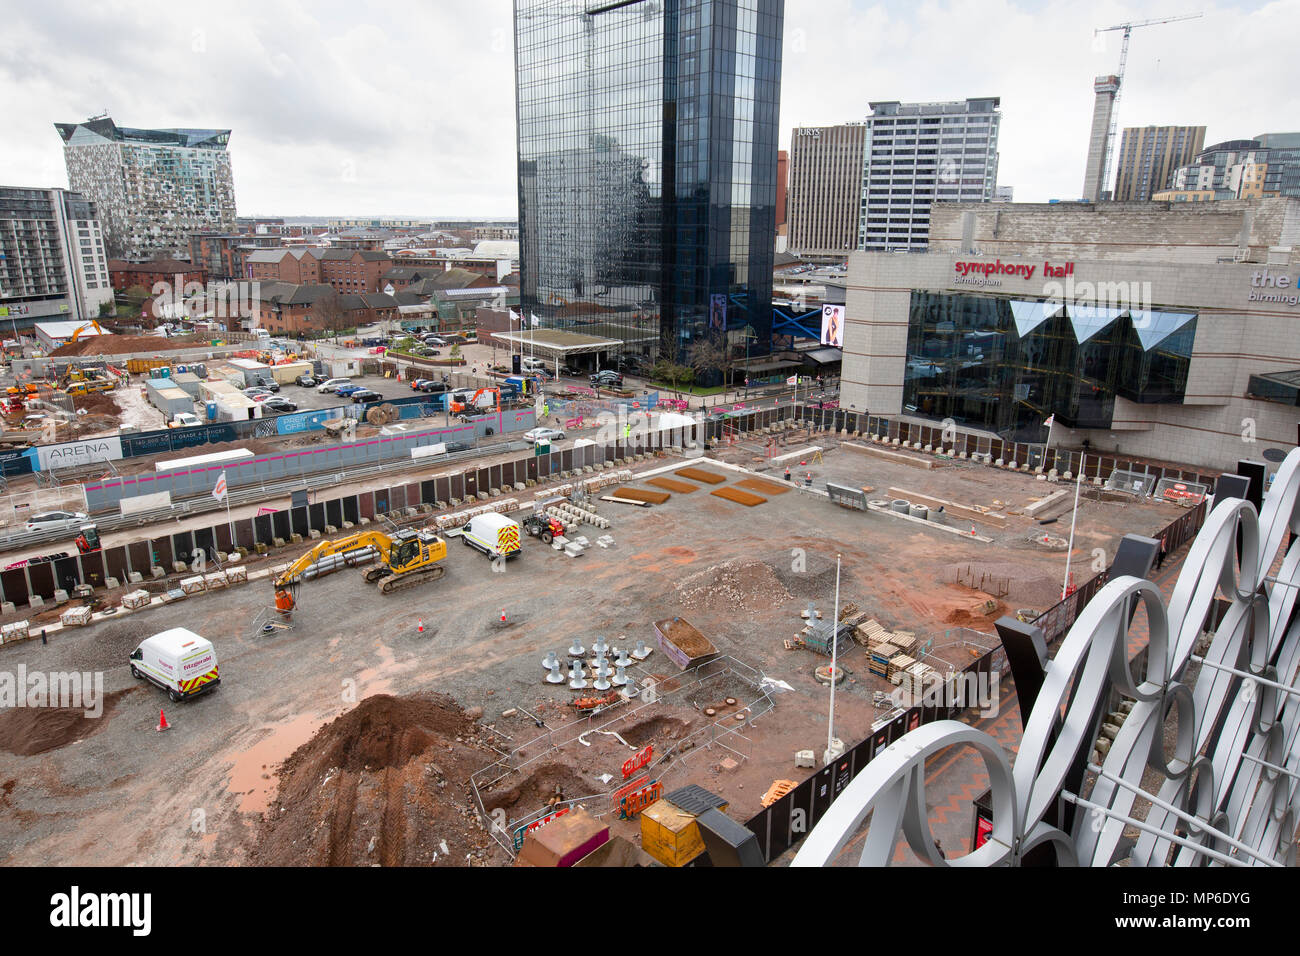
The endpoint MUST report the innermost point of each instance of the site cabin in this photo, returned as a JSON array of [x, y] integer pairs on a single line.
[[493, 534], [179, 661]]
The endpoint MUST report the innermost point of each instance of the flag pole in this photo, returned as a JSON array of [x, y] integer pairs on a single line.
[[835, 660], [1074, 518]]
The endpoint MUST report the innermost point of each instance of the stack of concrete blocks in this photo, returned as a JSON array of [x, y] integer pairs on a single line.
[[17, 631], [605, 541], [566, 521], [75, 617], [132, 600], [575, 514]]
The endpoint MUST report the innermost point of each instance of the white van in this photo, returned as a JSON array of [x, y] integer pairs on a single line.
[[493, 534], [178, 661]]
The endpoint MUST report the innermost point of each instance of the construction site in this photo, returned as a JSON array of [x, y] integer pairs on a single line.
[[645, 641]]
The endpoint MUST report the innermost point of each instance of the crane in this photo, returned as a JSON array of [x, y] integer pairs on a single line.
[[409, 558], [1128, 29]]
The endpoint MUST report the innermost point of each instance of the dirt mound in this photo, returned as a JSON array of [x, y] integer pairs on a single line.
[[738, 585], [34, 730], [128, 345], [100, 404], [386, 783]]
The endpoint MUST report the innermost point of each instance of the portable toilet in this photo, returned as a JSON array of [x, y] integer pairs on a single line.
[[212, 411]]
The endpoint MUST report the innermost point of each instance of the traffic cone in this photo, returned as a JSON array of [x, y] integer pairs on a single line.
[[972, 531], [419, 627], [503, 615], [162, 721]]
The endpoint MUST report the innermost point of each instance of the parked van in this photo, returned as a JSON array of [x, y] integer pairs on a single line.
[[178, 661], [493, 534], [533, 364]]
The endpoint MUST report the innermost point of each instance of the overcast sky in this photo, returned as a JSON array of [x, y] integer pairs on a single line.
[[407, 109]]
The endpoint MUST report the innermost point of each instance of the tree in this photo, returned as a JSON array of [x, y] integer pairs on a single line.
[[675, 375], [329, 314], [707, 355]]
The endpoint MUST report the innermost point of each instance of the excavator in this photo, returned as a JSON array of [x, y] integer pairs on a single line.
[[92, 324], [408, 559], [458, 407]]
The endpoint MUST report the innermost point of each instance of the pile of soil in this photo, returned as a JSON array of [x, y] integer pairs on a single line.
[[738, 585], [387, 783], [128, 344], [34, 730], [100, 404]]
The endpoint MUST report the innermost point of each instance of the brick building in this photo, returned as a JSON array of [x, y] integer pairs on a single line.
[[124, 274], [347, 271], [220, 255], [291, 309]]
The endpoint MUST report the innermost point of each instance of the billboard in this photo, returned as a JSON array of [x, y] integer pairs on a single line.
[[833, 325], [718, 311]]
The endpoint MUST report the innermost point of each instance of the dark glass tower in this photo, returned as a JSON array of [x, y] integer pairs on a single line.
[[647, 167]]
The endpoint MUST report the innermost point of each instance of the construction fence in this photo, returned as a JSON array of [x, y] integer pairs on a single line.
[[418, 499], [1025, 455]]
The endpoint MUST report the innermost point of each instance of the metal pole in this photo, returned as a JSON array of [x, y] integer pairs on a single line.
[[835, 659], [1074, 519]]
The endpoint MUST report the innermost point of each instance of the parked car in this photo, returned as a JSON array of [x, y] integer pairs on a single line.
[[607, 377], [345, 391], [56, 520], [417, 384], [332, 384], [431, 385], [542, 434], [434, 340], [365, 395], [307, 380], [265, 381], [277, 404]]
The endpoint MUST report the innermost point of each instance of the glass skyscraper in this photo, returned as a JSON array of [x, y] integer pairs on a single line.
[[647, 167]]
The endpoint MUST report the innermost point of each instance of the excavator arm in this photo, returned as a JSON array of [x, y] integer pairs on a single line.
[[364, 539]]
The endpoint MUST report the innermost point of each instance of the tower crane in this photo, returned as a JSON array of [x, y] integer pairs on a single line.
[[1128, 29]]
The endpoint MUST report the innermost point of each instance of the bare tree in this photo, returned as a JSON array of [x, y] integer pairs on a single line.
[[329, 313]]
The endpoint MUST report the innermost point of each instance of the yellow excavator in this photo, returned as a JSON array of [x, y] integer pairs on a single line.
[[406, 560]]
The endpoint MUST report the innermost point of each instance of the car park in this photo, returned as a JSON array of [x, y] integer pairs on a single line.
[[56, 520], [365, 395], [332, 384], [535, 435]]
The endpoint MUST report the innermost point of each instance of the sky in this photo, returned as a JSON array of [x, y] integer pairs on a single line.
[[407, 109]]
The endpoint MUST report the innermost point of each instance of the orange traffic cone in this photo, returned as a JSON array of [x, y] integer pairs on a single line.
[[503, 615], [972, 531], [162, 721], [419, 628]]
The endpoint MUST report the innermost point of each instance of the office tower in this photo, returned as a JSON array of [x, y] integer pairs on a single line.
[[920, 153], [825, 188], [647, 139]]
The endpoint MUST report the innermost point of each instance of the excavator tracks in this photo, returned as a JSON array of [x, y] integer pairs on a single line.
[[393, 582]]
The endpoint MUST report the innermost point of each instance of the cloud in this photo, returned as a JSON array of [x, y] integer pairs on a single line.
[[408, 108]]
